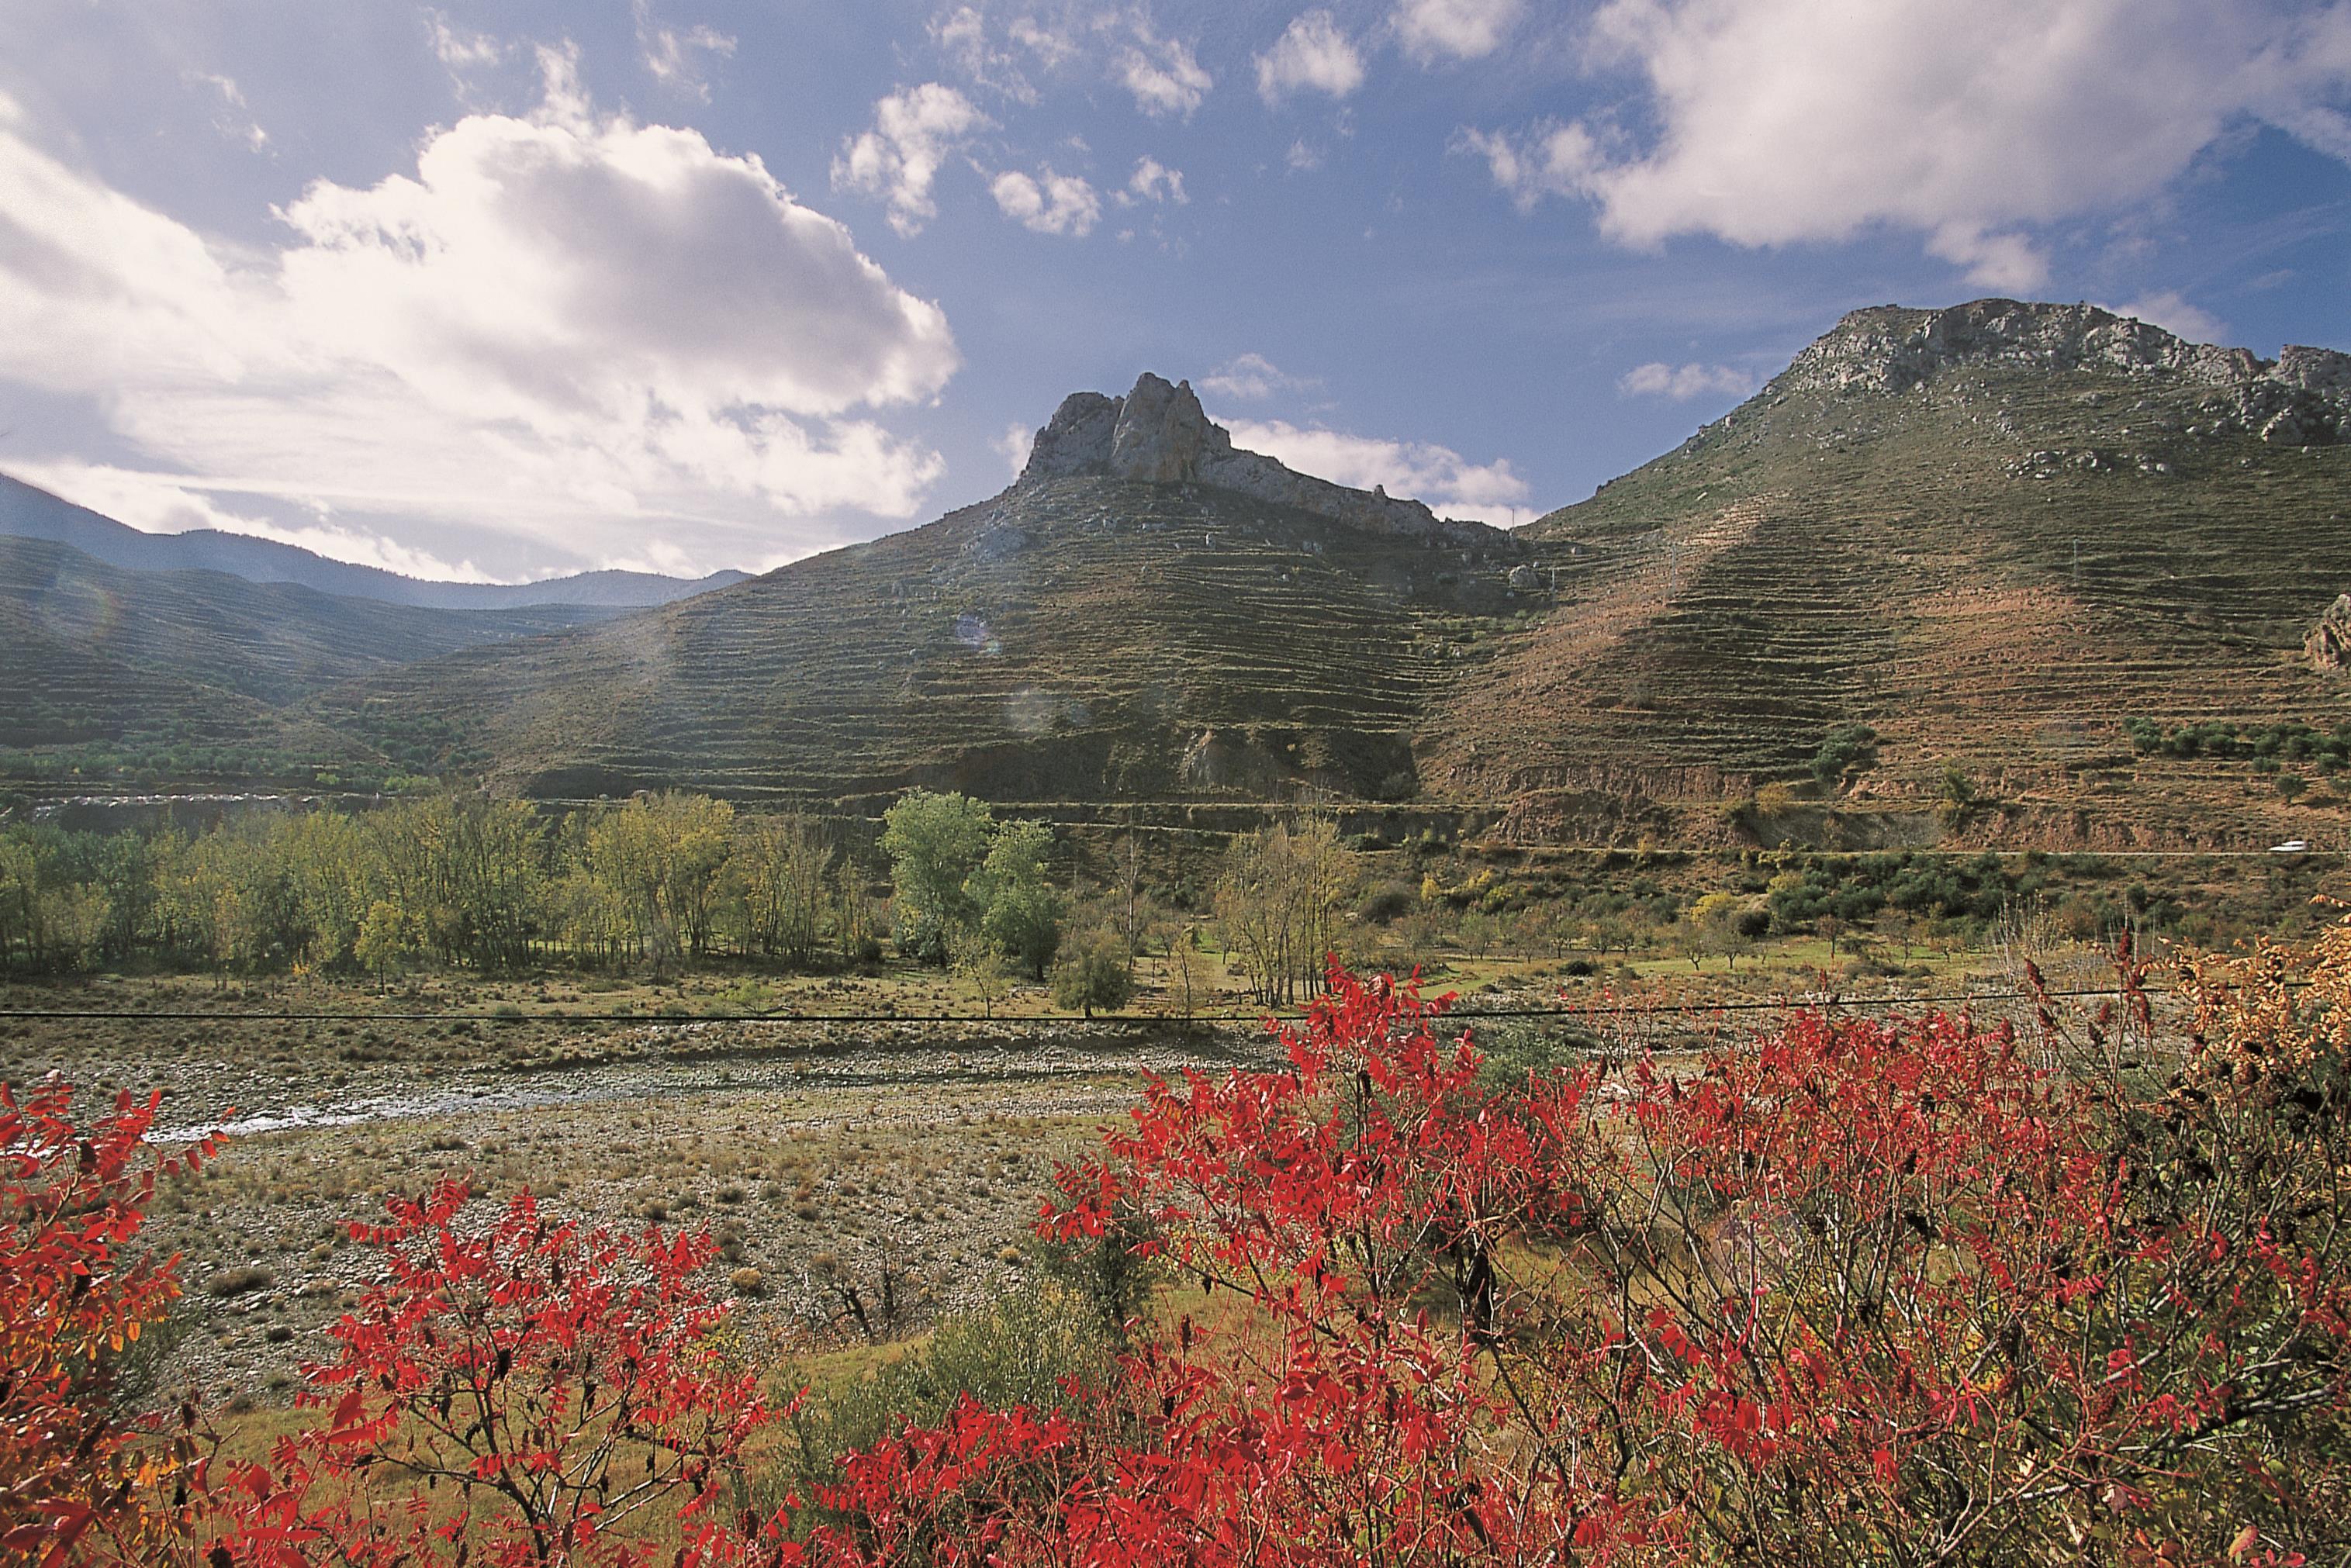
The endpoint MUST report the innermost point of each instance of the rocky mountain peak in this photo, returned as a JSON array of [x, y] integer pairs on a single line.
[[1158, 434], [2301, 398]]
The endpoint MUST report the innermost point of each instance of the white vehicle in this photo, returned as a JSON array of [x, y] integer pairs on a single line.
[[2291, 847]]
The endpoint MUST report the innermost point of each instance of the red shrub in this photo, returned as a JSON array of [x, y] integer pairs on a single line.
[[519, 1393], [1857, 1291], [74, 1471]]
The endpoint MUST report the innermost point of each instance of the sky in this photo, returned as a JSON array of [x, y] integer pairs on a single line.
[[499, 292]]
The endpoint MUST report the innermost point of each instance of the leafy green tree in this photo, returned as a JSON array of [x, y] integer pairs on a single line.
[[935, 844], [1021, 913], [1847, 748], [1093, 974]]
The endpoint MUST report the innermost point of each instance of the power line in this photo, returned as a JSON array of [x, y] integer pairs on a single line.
[[1613, 1010]]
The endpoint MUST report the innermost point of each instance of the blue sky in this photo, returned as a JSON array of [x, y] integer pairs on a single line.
[[510, 289]]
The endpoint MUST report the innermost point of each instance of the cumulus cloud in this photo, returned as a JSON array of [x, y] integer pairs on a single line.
[[1682, 382], [1431, 30], [2166, 309], [1783, 121], [1253, 378], [564, 330], [1153, 182], [1047, 202], [677, 58], [1313, 54], [915, 129], [1162, 74], [1451, 485]]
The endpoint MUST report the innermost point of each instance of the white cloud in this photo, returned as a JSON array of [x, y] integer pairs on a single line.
[[914, 131], [234, 119], [1153, 182], [166, 504], [1785, 122], [1430, 30], [1302, 159], [1311, 53], [1682, 382], [562, 332], [963, 35], [671, 54], [1253, 378], [2167, 309], [1451, 485], [1013, 444], [1162, 74], [1047, 202], [458, 49]]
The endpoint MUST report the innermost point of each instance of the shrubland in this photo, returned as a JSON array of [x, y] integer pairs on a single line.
[[1913, 1289]]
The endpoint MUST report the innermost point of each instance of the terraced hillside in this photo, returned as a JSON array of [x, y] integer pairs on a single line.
[[1078, 638], [2008, 538], [98, 652], [1995, 551]]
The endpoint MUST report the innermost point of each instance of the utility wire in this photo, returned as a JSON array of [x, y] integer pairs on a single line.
[[1616, 1009]]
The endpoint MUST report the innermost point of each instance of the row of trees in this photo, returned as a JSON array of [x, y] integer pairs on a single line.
[[465, 881], [661, 880]]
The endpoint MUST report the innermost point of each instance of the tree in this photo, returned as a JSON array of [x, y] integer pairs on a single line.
[[935, 842], [387, 935], [1277, 904], [1726, 924], [978, 961], [75, 1291], [782, 872], [1020, 912], [1847, 748], [1093, 974], [660, 857]]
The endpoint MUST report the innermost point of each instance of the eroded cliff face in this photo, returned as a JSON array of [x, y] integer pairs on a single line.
[[2303, 398], [1158, 434]]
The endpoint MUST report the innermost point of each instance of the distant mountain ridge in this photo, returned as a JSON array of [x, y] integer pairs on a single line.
[[29, 512]]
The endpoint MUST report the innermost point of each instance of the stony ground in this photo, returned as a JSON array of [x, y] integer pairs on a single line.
[[899, 1164]]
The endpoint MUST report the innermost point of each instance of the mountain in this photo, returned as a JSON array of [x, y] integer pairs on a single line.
[[29, 513], [1996, 534], [2040, 550], [96, 652], [1147, 613]]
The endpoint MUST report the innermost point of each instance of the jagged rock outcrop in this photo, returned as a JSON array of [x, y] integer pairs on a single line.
[[1158, 434], [2328, 645], [2301, 398]]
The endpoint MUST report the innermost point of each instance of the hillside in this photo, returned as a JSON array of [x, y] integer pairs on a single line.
[[1114, 626], [1992, 533], [26, 512], [2023, 543], [99, 654]]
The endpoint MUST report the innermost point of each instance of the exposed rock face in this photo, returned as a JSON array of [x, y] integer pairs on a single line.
[[1157, 433], [2328, 646], [2303, 398]]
